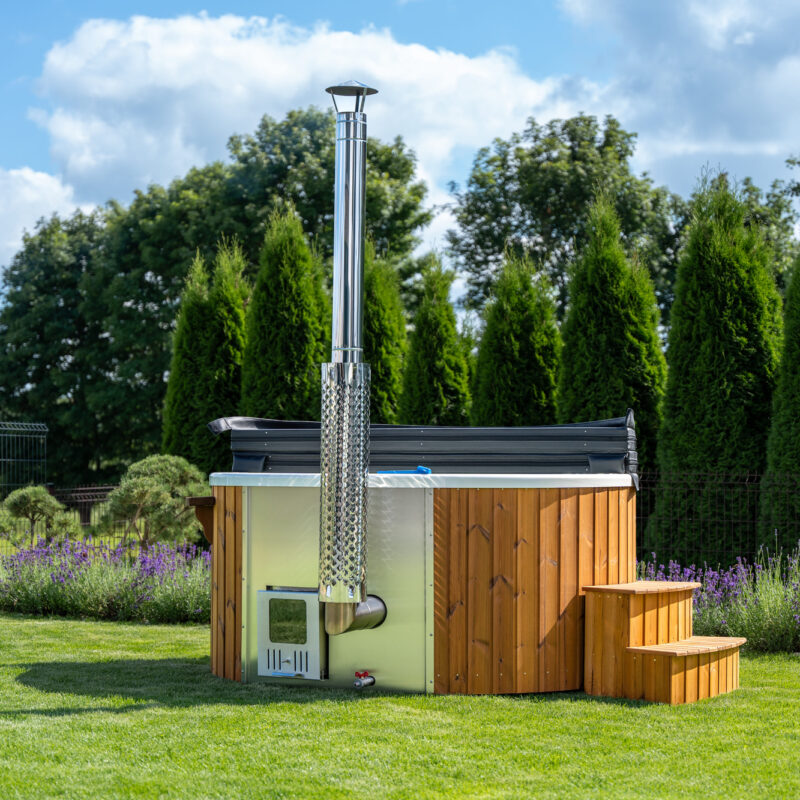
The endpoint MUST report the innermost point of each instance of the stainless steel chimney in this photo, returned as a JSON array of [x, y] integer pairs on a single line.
[[344, 443]]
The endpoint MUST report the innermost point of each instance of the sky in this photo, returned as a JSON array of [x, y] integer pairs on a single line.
[[98, 99]]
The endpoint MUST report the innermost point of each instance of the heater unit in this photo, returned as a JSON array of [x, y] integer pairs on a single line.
[[291, 640]]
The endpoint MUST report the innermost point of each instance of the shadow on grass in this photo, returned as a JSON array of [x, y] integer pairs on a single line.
[[143, 684], [173, 682]]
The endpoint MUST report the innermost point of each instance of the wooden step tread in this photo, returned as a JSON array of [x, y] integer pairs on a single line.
[[645, 587], [691, 646]]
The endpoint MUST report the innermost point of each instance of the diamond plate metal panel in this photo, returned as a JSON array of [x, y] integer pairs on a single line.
[[344, 461]]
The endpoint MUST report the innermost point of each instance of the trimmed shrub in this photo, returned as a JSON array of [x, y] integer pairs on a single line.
[[150, 500], [285, 327], [723, 354], [187, 373], [612, 358], [34, 504], [780, 488], [435, 383], [384, 338], [518, 355]]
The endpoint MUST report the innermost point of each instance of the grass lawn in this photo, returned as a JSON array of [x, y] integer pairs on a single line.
[[98, 709]]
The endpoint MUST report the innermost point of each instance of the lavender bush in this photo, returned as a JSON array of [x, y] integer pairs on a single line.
[[160, 583], [760, 601]]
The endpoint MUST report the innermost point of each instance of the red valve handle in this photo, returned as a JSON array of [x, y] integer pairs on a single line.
[[363, 674]]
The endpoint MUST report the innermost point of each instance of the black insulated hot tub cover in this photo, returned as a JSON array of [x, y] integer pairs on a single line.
[[609, 445]]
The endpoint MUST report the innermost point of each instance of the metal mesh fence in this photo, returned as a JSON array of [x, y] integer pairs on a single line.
[[23, 455], [697, 517]]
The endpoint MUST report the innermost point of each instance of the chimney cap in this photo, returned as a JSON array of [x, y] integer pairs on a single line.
[[351, 89]]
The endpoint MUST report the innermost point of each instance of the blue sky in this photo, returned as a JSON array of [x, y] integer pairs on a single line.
[[101, 98]]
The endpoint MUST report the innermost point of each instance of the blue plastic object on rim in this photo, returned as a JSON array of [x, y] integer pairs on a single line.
[[417, 471]]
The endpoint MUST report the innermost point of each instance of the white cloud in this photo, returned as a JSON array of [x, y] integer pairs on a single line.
[[140, 101], [25, 196]]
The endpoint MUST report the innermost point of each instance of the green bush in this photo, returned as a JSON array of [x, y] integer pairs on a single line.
[[722, 356], [518, 355], [34, 504], [384, 338], [287, 324], [150, 500], [205, 373], [780, 487], [160, 583], [612, 358], [435, 383]]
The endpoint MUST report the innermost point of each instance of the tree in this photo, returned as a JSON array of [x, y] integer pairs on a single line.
[[54, 353], [205, 374], [384, 338], [722, 356], [435, 387], [286, 330], [225, 339], [612, 357], [780, 492], [34, 504], [150, 499], [518, 355], [531, 195], [293, 160]]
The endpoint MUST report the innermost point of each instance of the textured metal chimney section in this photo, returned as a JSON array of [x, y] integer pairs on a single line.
[[344, 442]]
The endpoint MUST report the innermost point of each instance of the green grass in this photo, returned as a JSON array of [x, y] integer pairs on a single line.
[[98, 709]]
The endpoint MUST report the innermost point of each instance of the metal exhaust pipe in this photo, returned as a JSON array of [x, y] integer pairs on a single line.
[[344, 433]]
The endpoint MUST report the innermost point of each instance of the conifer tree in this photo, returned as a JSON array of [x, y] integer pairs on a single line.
[[612, 357], [187, 370], [285, 327], [222, 364], [384, 337], [518, 355], [780, 491], [722, 356], [435, 386]]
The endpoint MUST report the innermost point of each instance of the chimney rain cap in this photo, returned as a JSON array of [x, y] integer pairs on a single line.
[[351, 89]]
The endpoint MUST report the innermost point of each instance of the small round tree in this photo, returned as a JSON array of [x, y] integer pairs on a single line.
[[723, 354], [151, 500], [518, 355], [435, 388], [34, 504], [285, 327], [780, 488], [384, 338]]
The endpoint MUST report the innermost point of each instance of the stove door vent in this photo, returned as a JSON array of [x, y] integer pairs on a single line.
[[291, 641]]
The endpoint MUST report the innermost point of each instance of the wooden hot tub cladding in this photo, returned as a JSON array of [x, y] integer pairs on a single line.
[[509, 567], [226, 583]]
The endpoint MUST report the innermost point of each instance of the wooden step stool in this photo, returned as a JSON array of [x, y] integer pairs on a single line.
[[639, 645]]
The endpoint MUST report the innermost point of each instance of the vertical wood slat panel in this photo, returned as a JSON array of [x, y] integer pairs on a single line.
[[663, 619], [632, 534], [588, 656], [632, 680], [237, 577], [230, 566], [479, 600], [457, 592], [526, 599], [568, 667], [612, 621], [650, 619], [703, 676], [522, 558], [503, 627], [713, 675], [613, 535], [678, 680], [601, 538], [219, 608], [622, 516], [722, 678], [442, 506], [549, 589], [216, 560]]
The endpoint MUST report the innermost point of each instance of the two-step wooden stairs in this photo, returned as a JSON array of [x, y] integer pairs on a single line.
[[639, 645]]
